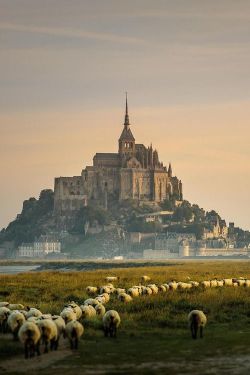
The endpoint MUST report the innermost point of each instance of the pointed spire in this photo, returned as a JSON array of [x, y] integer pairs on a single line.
[[170, 170], [126, 120]]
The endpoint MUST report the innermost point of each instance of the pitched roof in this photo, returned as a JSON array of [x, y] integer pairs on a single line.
[[126, 134]]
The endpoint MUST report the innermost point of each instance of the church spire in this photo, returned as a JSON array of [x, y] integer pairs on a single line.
[[126, 120]]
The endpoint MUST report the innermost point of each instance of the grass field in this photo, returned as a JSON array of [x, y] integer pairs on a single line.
[[153, 336]]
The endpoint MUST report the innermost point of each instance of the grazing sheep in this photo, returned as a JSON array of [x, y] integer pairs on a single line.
[[100, 299], [91, 301], [110, 279], [60, 324], [88, 311], [111, 321], [235, 284], [197, 319], [153, 287], [240, 282], [45, 316], [74, 331], [68, 315], [195, 284], [162, 288], [100, 310], [147, 291], [124, 297], [29, 335], [172, 285], [4, 313], [133, 292], [220, 283], [183, 286], [106, 297], [206, 284], [4, 304], [15, 306], [213, 283], [91, 290], [49, 333], [247, 283], [76, 308], [106, 289], [15, 321], [145, 278], [228, 282], [120, 290], [32, 311]]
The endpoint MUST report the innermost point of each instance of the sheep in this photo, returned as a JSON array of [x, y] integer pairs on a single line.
[[124, 297], [112, 278], [4, 313], [49, 333], [77, 310], [182, 285], [29, 335], [145, 278], [100, 310], [247, 283], [91, 290], [133, 292], [120, 290], [147, 291], [91, 301], [32, 311], [15, 321], [220, 283], [205, 284], [88, 311], [74, 330], [228, 282], [153, 287], [172, 285], [45, 316], [106, 289], [60, 325], [240, 282], [235, 284], [213, 283], [68, 315], [162, 288], [195, 284], [15, 306], [106, 297], [4, 304], [197, 319], [111, 321], [100, 299]]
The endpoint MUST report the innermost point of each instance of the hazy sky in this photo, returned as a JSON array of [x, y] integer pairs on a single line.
[[64, 68]]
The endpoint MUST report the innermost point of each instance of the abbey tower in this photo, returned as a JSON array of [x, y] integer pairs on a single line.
[[134, 172]]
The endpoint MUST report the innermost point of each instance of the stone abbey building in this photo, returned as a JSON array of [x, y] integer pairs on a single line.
[[134, 172]]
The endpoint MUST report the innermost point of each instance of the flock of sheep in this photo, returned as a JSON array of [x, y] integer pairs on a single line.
[[33, 327]]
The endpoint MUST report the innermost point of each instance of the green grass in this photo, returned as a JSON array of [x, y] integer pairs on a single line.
[[153, 328]]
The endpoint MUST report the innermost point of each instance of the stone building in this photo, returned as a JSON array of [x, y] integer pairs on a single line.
[[134, 172]]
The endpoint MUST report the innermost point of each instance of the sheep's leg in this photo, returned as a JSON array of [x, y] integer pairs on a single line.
[[46, 350], [106, 332], [201, 332], [71, 344], [26, 351], [76, 343], [38, 348]]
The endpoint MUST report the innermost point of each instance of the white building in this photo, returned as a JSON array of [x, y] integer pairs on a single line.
[[46, 244]]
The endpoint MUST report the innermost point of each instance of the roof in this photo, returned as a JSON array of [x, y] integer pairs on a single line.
[[103, 155], [126, 134]]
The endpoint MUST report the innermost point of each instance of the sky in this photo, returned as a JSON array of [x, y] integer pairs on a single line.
[[64, 70]]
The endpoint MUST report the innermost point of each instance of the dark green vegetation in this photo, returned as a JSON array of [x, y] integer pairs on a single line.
[[153, 336]]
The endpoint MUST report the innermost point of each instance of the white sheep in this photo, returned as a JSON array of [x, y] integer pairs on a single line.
[[166, 286], [106, 297], [49, 333], [162, 288], [111, 321], [76, 308], [197, 319], [213, 283], [100, 299], [240, 282], [195, 284], [120, 290], [29, 335], [124, 297], [68, 315], [88, 311], [145, 278], [60, 324], [220, 283], [100, 310], [228, 282], [133, 292], [182, 286], [4, 314], [74, 330], [153, 287], [32, 311], [147, 291], [205, 284], [15, 321], [247, 283], [172, 285], [91, 301], [15, 306], [4, 304], [110, 279], [91, 290]]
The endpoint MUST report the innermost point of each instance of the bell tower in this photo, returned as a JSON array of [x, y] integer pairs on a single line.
[[126, 140]]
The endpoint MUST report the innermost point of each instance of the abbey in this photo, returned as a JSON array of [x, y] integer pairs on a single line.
[[134, 172]]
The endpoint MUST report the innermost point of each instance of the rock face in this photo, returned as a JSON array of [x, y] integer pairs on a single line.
[[135, 172]]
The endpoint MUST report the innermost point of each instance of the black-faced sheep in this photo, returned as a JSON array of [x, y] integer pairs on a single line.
[[74, 330], [15, 321], [111, 321], [197, 320], [29, 334], [4, 314], [49, 334]]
